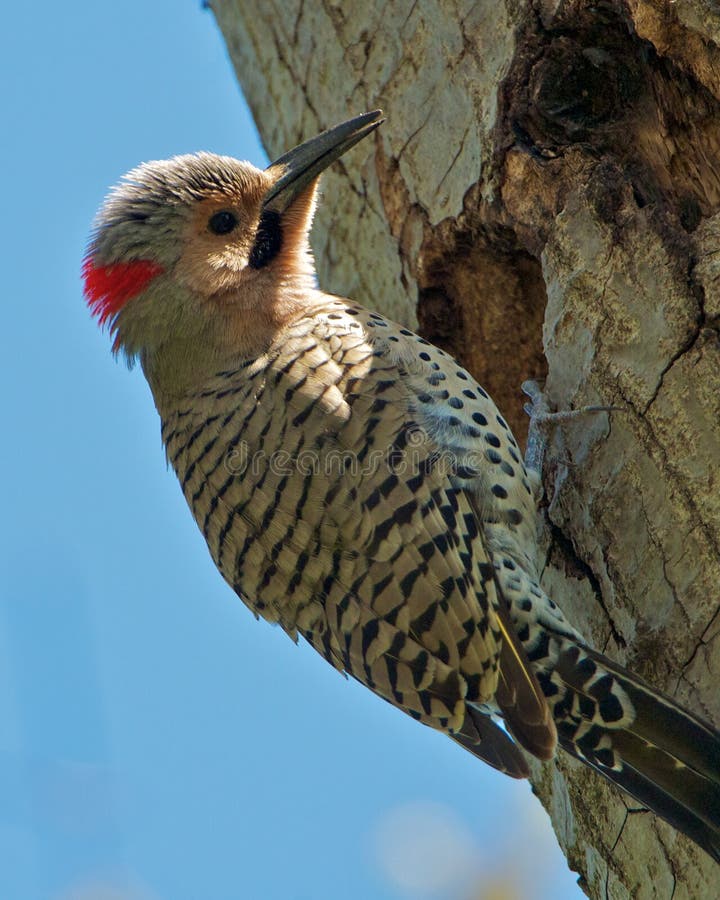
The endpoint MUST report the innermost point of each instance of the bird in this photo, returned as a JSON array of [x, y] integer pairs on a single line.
[[358, 488]]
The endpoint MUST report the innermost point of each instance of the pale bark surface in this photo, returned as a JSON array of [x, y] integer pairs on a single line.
[[544, 200]]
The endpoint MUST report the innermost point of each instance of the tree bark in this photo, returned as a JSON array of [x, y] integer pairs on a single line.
[[543, 201]]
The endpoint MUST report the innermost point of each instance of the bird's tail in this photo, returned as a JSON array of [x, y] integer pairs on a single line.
[[638, 738]]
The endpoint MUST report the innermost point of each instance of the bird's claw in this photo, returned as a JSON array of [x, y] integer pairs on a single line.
[[541, 417]]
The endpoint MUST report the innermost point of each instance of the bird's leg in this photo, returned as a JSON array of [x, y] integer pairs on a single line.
[[541, 417]]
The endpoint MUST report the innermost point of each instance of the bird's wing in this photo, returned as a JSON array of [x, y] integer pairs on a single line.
[[357, 536]]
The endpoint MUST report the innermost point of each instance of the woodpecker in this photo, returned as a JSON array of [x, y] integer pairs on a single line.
[[356, 486]]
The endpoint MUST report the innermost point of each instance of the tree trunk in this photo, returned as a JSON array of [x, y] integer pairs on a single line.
[[542, 201]]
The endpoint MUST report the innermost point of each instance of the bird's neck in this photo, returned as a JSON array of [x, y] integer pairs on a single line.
[[183, 364]]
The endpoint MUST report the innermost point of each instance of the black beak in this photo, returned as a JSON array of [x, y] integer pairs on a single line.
[[302, 165]]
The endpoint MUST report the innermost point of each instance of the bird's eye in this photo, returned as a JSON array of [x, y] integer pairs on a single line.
[[222, 222]]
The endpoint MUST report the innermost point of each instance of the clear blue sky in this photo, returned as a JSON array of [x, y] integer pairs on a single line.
[[156, 742]]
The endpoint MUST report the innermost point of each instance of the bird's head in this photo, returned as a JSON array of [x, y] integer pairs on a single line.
[[197, 254]]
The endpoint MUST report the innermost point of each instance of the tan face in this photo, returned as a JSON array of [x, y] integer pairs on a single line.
[[175, 242], [217, 240], [204, 254], [176, 233]]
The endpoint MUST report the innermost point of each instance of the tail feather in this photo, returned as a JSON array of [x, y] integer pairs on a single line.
[[687, 818], [521, 698], [638, 738], [486, 740], [662, 722]]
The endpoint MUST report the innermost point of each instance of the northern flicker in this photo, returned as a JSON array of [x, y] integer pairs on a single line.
[[357, 486]]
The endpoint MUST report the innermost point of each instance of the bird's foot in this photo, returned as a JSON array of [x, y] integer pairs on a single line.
[[541, 418]]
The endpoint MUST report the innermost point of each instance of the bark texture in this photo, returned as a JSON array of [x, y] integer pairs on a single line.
[[544, 201]]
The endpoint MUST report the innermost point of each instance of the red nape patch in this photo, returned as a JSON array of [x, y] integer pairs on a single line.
[[108, 288]]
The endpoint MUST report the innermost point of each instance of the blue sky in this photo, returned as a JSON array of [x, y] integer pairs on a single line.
[[156, 741]]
